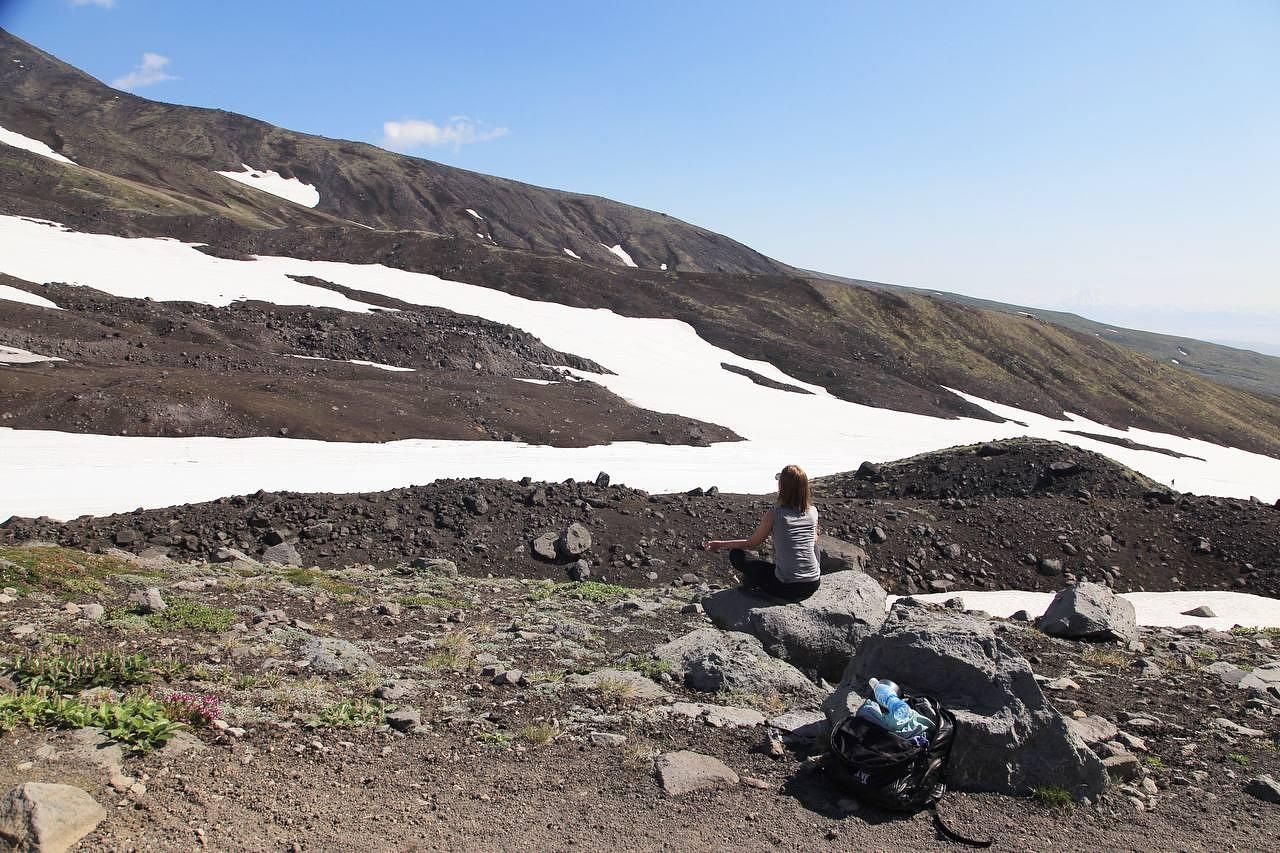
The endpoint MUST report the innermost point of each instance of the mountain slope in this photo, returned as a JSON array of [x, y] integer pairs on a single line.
[[149, 169], [181, 149], [1244, 369]]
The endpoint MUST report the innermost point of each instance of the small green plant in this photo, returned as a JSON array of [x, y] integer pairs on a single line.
[[1155, 761], [1053, 797], [61, 571], [450, 652], [349, 714], [648, 667], [1205, 654], [61, 640], [1239, 758], [583, 590], [496, 740], [183, 613], [64, 674], [539, 734], [140, 722]]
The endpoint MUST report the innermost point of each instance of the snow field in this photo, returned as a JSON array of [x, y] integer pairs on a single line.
[[289, 189], [13, 355], [390, 367], [35, 146], [14, 294], [659, 364], [621, 253]]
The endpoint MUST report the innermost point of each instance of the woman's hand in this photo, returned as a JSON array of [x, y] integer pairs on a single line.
[[711, 545]]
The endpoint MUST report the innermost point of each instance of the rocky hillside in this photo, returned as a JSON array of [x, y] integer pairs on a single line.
[[915, 534], [150, 160]]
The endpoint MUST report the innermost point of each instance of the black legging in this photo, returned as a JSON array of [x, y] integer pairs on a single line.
[[760, 575]]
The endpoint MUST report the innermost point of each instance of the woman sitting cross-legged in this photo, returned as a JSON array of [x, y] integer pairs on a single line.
[[793, 523]]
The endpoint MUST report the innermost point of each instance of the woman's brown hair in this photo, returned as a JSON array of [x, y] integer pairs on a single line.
[[793, 489]]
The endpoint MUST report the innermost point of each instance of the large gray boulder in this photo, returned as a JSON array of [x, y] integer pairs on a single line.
[[837, 555], [1089, 611], [715, 661], [817, 635], [1009, 739], [38, 816]]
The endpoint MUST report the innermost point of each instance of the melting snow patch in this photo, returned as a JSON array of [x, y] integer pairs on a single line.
[[14, 294], [289, 189], [35, 146], [663, 267], [621, 253], [13, 355], [1182, 351], [1154, 609], [473, 213], [535, 381], [361, 362], [571, 253], [1174, 361]]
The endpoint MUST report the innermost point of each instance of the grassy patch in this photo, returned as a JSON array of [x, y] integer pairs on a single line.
[[539, 734], [1154, 761], [1205, 654], [1053, 797], [648, 667], [312, 578], [1239, 758], [61, 571], [349, 714], [1104, 657], [615, 690], [451, 651], [582, 590], [138, 721], [1240, 631], [424, 600], [184, 613], [64, 673]]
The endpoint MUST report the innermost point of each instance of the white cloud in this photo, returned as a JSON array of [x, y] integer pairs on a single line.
[[105, 4], [148, 72], [457, 131]]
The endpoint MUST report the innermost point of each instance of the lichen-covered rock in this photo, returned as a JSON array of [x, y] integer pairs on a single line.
[[715, 661]]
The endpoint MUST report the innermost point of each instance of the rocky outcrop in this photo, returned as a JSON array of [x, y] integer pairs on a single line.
[[684, 771], [837, 555], [1089, 611], [817, 635], [715, 661], [1009, 739]]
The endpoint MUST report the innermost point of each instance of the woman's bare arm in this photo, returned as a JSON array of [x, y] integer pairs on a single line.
[[761, 533]]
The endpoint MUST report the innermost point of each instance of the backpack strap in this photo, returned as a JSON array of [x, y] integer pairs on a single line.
[[952, 834]]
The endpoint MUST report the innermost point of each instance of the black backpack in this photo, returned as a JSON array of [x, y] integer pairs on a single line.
[[884, 770]]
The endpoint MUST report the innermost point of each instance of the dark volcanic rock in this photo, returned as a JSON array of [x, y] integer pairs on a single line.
[[1009, 739]]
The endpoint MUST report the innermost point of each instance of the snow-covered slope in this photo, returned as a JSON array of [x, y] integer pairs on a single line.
[[658, 364]]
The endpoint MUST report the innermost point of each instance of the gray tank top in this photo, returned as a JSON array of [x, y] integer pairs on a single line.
[[794, 554]]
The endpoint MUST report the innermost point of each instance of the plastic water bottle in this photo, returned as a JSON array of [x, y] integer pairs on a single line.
[[896, 708]]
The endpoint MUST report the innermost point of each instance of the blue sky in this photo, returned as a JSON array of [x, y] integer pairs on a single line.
[[1114, 159]]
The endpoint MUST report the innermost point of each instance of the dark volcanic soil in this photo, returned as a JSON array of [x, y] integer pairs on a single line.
[[139, 367], [1131, 539]]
